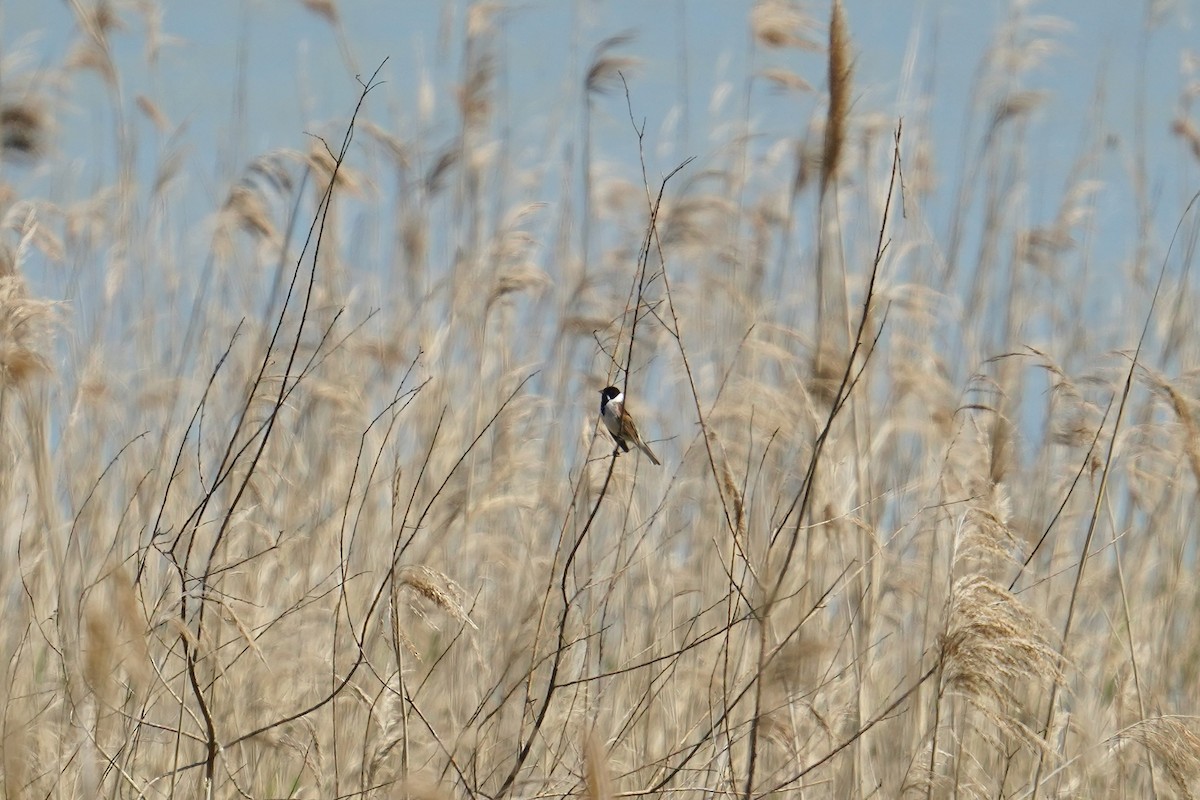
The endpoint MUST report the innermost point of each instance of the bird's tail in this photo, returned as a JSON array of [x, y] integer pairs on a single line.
[[650, 455]]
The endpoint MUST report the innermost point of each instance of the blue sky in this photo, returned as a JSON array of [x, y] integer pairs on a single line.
[[295, 75], [295, 72]]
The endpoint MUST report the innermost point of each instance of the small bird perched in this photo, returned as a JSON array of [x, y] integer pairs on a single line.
[[620, 424]]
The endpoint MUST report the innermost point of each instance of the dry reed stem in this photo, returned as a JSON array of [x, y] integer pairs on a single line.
[[597, 781]]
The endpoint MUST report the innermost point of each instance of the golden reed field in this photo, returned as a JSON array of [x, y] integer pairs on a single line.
[[304, 497]]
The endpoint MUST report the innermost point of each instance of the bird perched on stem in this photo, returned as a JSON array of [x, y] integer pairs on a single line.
[[620, 423]]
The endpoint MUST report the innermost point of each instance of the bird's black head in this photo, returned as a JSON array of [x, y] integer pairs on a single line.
[[608, 393]]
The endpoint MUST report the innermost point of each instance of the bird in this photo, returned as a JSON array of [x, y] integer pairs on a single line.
[[620, 423]]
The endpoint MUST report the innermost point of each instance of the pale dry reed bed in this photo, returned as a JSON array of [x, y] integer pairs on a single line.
[[269, 539]]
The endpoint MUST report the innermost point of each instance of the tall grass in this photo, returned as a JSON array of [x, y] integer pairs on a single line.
[[309, 500]]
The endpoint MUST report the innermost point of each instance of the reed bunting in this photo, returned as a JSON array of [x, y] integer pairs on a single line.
[[620, 424]]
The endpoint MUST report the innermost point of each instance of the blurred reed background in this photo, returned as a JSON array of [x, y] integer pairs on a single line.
[[302, 494]]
